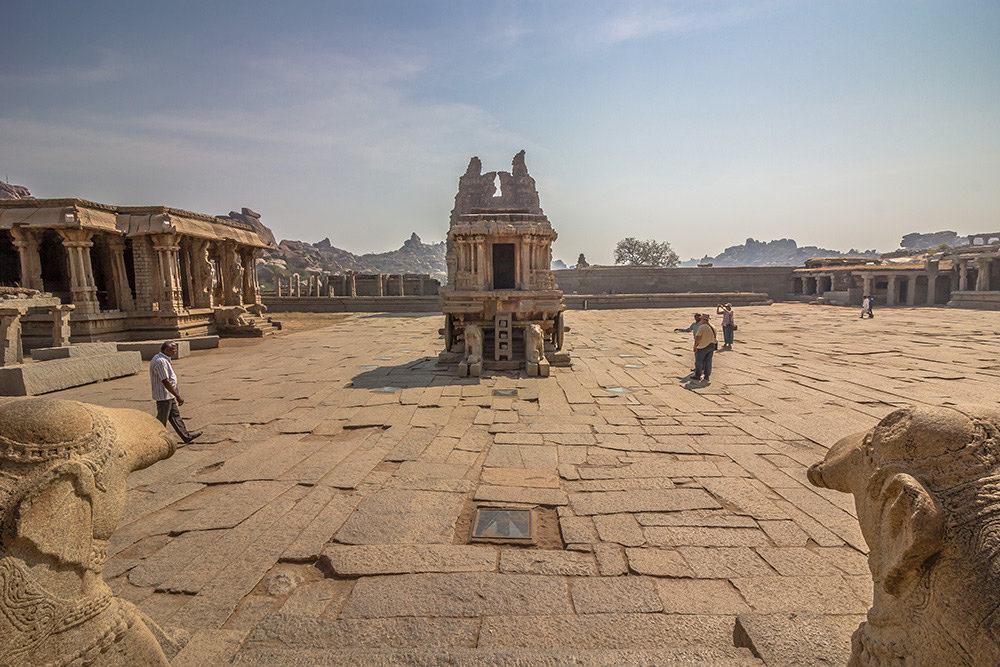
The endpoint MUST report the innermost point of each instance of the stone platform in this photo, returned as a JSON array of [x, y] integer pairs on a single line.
[[324, 515], [703, 300], [43, 377], [150, 348]]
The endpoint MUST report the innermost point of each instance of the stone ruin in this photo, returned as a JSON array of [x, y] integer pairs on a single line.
[[926, 483], [502, 308], [63, 470]]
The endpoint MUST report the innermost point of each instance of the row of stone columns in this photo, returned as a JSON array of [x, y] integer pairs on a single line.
[[316, 285], [983, 266], [237, 282]]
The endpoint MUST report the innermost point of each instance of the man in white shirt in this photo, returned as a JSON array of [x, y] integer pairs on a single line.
[[165, 392]]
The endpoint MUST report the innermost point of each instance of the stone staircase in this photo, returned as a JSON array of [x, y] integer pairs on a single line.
[[255, 327]]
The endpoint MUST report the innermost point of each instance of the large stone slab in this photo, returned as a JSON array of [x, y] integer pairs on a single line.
[[457, 595], [366, 560], [292, 631], [78, 350], [42, 377], [150, 348], [650, 500], [403, 516], [798, 638]]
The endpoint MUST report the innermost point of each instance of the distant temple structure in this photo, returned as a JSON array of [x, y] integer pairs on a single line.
[[132, 272], [501, 304]]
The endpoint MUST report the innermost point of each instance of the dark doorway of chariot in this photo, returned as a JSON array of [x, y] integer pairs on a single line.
[[503, 266]]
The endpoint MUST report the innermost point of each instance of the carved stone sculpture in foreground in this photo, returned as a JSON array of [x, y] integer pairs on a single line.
[[63, 467], [926, 483]]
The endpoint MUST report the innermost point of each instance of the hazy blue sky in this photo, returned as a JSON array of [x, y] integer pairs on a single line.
[[837, 124]]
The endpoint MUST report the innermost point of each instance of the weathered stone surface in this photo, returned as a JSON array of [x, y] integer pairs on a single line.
[[924, 480], [291, 631], [577, 529], [680, 536], [657, 562], [614, 595], [675, 656], [78, 350], [457, 595], [700, 596], [63, 467], [605, 631], [400, 516], [798, 638], [48, 376], [610, 559], [530, 561], [313, 598], [661, 500], [825, 595], [367, 560], [521, 477], [518, 494], [620, 528]]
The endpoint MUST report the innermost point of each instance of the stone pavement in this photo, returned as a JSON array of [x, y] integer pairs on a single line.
[[325, 514]]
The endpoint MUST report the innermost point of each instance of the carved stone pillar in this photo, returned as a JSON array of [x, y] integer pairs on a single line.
[[10, 336], [251, 284], [381, 289], [325, 285], [867, 278], [525, 262], [482, 279], [26, 242], [200, 265], [352, 284], [402, 285], [911, 290], [119, 276], [230, 277], [171, 296], [61, 330], [890, 297], [982, 274], [963, 276], [81, 273]]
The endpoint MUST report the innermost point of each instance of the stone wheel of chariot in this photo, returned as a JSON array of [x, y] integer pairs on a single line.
[[449, 331], [558, 332]]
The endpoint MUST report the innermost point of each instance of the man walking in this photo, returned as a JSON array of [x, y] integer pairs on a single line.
[[705, 342], [165, 392]]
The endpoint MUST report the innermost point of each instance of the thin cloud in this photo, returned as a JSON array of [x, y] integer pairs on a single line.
[[110, 66]]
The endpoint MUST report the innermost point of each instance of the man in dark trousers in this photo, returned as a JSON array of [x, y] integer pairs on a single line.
[[165, 392], [705, 343]]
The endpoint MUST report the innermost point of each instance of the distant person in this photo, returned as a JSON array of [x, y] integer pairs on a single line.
[[165, 392], [866, 307], [728, 324], [693, 328], [705, 343]]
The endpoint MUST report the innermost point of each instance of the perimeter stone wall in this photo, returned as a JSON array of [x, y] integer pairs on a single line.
[[775, 281]]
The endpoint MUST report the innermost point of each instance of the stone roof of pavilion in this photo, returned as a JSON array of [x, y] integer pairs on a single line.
[[74, 213]]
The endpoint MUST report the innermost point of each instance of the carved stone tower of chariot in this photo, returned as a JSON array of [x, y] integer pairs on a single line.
[[501, 305]]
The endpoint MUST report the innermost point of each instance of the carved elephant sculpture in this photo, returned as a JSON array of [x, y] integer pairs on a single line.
[[63, 468]]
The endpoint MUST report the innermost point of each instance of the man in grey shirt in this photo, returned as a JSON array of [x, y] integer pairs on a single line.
[[693, 328], [163, 381]]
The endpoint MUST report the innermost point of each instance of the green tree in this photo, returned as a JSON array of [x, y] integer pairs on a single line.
[[634, 252]]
